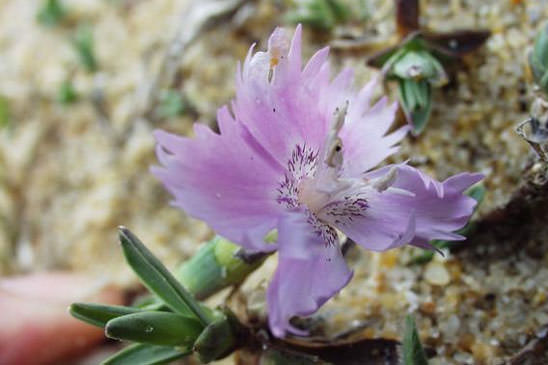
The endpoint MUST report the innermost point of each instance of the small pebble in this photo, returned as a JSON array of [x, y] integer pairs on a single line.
[[436, 274]]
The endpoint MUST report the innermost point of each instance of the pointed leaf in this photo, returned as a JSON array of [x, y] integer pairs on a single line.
[[99, 314], [142, 354], [84, 45], [413, 353], [540, 50], [51, 13], [458, 43], [416, 101], [538, 59], [158, 279], [155, 328]]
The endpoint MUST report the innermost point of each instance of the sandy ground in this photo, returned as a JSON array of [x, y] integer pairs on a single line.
[[72, 173]]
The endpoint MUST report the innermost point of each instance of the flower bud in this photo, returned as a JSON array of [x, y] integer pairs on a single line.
[[214, 267], [419, 65]]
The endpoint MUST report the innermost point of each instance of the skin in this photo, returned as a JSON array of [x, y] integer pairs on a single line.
[[35, 326]]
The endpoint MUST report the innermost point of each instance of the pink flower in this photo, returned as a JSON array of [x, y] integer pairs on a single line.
[[294, 154]]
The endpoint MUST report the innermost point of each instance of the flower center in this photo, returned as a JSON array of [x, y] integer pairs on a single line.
[[300, 166], [309, 195]]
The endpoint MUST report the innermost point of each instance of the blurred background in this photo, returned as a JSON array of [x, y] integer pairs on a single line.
[[83, 83]]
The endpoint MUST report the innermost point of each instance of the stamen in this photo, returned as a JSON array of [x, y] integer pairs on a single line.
[[333, 154], [386, 181]]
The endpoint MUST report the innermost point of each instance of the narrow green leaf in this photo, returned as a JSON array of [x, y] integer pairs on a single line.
[[413, 353], [158, 279], [416, 101], [99, 314], [422, 92], [537, 68], [148, 302], [83, 44], [51, 13], [538, 59], [142, 354], [540, 50], [155, 328]]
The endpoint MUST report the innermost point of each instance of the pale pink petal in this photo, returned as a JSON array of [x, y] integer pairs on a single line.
[[364, 138], [309, 273], [440, 208], [383, 224], [295, 106], [414, 209], [223, 180]]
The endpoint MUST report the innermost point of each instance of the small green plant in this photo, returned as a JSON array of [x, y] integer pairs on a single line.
[[5, 113], [321, 14], [171, 324], [413, 353], [67, 94], [538, 60], [171, 104], [419, 61], [84, 45], [51, 13]]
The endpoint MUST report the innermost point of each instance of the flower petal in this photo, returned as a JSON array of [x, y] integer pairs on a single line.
[[365, 144], [414, 209], [309, 273], [287, 105], [222, 179], [440, 208], [383, 225]]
